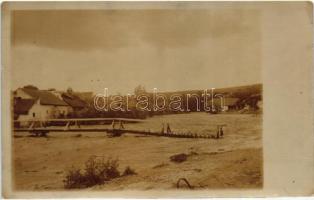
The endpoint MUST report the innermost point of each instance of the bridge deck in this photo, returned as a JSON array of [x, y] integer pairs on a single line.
[[43, 130], [82, 120], [118, 132]]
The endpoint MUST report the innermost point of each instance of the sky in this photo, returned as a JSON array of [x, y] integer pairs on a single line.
[[171, 50]]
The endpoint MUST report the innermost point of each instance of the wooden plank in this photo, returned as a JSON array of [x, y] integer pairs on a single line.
[[121, 130], [81, 120], [62, 129], [177, 135]]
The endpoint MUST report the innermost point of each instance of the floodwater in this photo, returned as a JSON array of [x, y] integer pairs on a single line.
[[234, 161]]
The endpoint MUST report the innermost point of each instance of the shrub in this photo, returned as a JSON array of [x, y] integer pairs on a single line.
[[129, 171], [97, 171], [74, 179]]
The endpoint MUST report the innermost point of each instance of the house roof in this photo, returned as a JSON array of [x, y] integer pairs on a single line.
[[45, 97], [253, 97], [22, 106], [73, 100], [86, 96]]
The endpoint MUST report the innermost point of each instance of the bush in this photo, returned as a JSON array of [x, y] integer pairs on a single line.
[[74, 179], [97, 171], [129, 171]]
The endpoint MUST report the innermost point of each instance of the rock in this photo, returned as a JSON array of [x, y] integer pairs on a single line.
[[179, 158]]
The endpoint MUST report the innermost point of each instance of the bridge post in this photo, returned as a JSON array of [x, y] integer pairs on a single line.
[[32, 125], [113, 124], [67, 126], [121, 125], [168, 129], [163, 129]]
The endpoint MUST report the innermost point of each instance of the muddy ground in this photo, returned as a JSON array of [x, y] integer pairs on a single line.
[[234, 161]]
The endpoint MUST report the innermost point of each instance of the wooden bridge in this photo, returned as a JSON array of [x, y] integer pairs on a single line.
[[41, 128]]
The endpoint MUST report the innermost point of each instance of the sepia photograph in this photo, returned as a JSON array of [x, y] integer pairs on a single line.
[[136, 97]]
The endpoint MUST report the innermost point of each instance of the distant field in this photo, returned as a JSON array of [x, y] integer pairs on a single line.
[[232, 162]]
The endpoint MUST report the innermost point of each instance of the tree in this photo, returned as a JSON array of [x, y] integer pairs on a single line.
[[70, 90], [139, 90], [31, 87]]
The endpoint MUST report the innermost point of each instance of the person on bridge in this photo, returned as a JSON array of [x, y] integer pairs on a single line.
[[168, 128]]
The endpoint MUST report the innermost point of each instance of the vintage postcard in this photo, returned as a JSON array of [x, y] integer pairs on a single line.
[[157, 99]]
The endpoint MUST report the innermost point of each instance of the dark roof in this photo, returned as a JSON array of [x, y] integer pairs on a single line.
[[256, 96], [73, 100], [253, 97], [87, 96], [22, 106], [231, 101], [45, 97]]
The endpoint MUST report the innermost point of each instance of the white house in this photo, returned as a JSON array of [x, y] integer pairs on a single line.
[[31, 103]]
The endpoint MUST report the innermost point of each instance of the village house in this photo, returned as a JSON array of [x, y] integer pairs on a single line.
[[87, 97], [79, 101], [78, 105], [224, 103], [32, 103], [230, 103]]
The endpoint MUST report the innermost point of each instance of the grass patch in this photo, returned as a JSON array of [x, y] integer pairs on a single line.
[[129, 171], [97, 171]]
